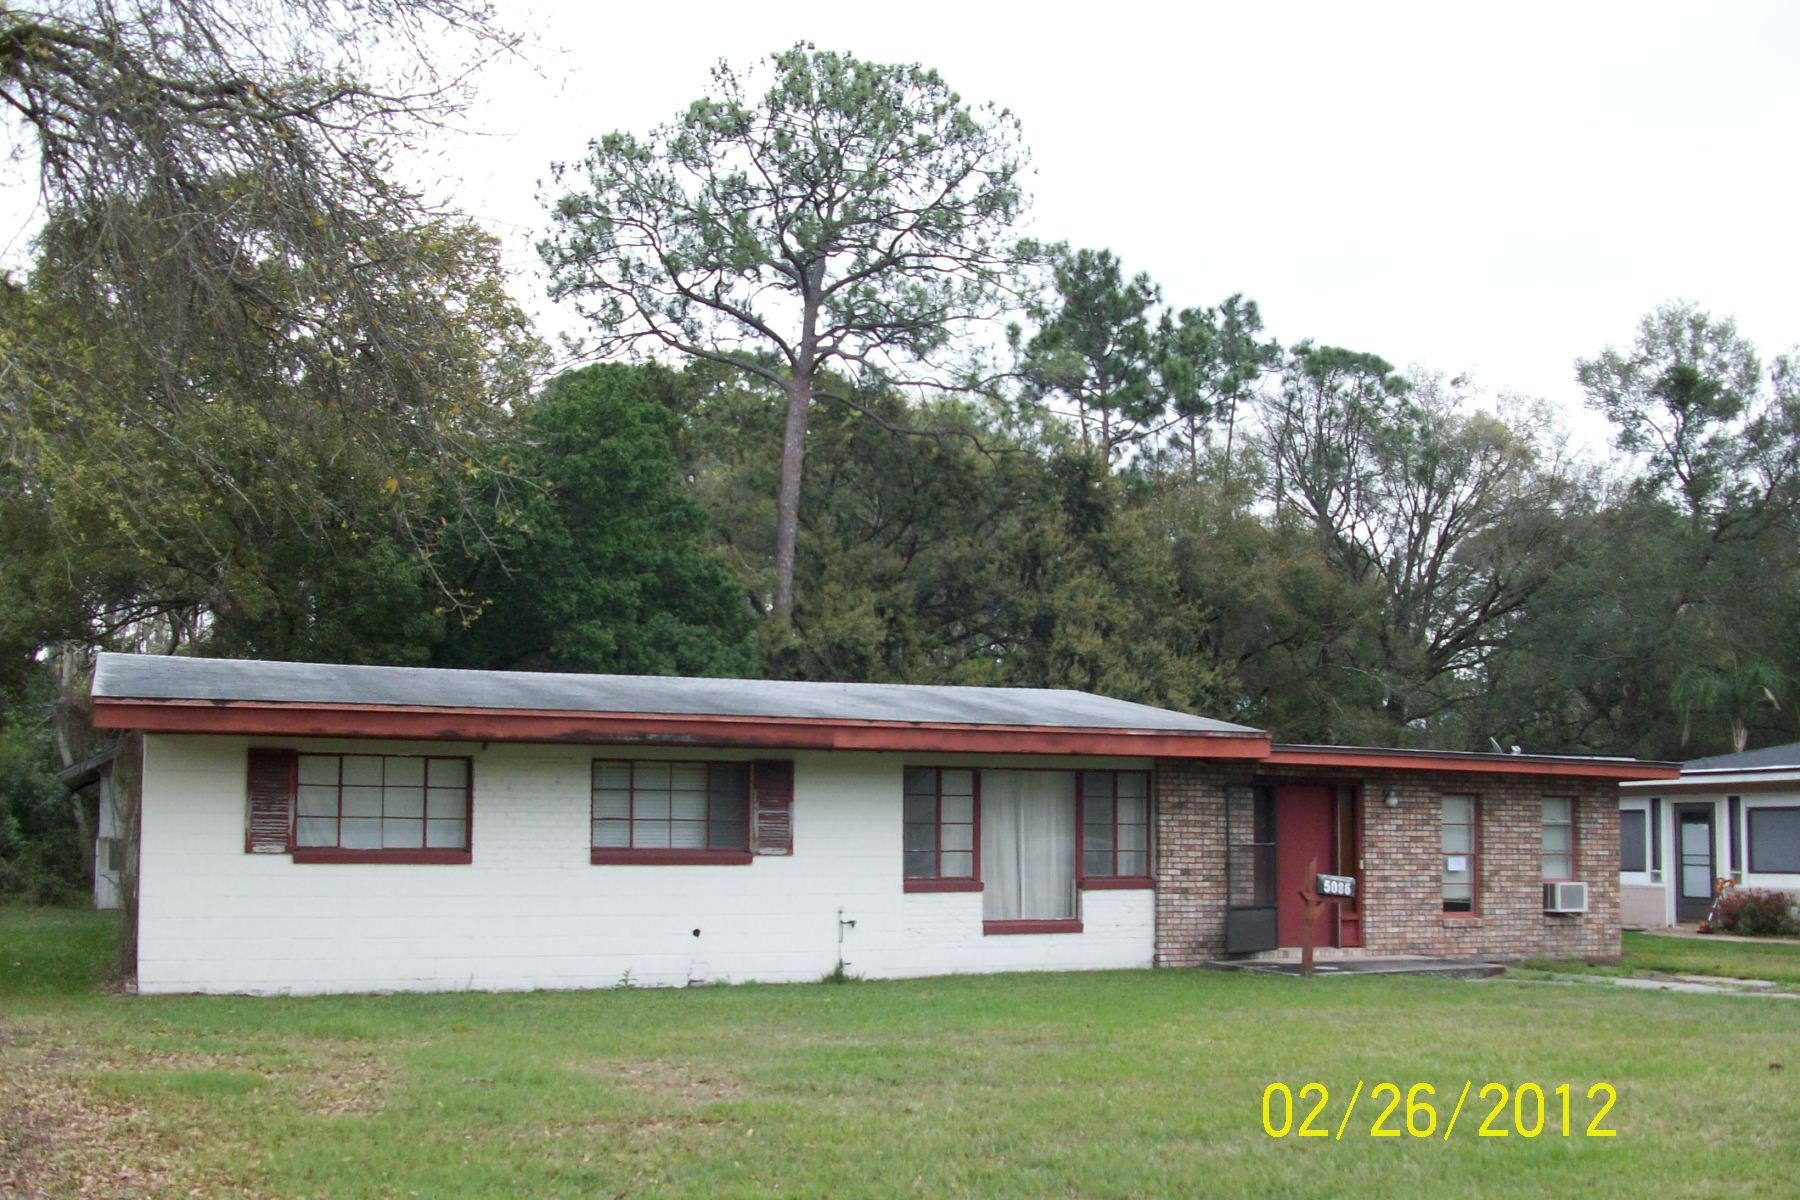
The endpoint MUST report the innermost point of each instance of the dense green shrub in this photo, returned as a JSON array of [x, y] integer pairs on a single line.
[[40, 848], [1762, 912], [41, 859]]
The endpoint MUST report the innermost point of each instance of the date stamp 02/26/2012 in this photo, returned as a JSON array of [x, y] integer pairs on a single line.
[[1495, 1110]]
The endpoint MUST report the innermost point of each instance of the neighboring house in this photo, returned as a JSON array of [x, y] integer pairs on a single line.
[[312, 828], [1731, 816], [112, 838]]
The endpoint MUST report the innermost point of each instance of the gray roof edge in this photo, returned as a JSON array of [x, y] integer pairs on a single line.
[[1786, 757], [1118, 714]]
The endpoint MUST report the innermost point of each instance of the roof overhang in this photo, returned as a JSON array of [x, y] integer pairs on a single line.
[[1469, 763], [1720, 783], [266, 719], [87, 772]]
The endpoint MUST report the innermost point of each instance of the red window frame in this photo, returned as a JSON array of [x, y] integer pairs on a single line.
[[940, 882], [339, 853], [710, 855], [1574, 841], [1474, 856], [1112, 878]]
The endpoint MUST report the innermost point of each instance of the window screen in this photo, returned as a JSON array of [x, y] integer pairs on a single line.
[[1634, 841], [1775, 840]]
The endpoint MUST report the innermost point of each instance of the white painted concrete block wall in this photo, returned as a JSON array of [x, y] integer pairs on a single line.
[[531, 911], [1643, 905]]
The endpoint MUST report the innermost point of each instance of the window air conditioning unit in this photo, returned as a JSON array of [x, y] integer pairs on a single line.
[[1565, 897]]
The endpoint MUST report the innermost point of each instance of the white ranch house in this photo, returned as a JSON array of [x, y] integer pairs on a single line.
[[311, 828], [1730, 816]]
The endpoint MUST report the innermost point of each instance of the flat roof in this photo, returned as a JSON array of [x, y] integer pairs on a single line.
[[162, 677], [164, 694], [175, 694], [1476, 762]]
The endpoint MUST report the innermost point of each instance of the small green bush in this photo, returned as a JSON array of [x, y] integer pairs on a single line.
[[40, 843], [1760, 912]]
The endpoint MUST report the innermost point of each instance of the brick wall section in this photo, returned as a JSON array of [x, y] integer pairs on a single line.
[[1190, 861], [1400, 859], [1402, 906]]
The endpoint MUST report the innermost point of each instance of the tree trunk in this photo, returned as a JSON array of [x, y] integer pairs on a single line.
[[84, 829], [787, 502], [1230, 429], [71, 732], [128, 796]]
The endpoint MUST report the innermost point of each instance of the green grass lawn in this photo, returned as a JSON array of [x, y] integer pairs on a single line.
[[1112, 1084], [1657, 954], [1776, 961]]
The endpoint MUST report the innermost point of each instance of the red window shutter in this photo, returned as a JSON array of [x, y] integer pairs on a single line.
[[772, 806], [268, 828]]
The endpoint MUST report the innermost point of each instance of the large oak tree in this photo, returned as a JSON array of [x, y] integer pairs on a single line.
[[245, 351], [239, 323]]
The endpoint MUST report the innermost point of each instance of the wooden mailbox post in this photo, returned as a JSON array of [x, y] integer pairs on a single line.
[[1319, 891]]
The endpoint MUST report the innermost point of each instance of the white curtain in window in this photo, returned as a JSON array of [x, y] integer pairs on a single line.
[[1028, 845]]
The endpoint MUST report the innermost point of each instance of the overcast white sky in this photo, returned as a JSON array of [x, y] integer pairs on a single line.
[[1498, 189]]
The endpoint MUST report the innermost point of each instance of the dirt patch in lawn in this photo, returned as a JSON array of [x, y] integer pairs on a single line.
[[329, 1080], [671, 1079], [350, 1086], [75, 1121], [58, 1140]]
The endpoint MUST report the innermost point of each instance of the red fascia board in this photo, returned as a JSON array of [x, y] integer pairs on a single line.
[[595, 728], [1469, 764]]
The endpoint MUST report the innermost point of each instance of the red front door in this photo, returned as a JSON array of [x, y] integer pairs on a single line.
[[1303, 832]]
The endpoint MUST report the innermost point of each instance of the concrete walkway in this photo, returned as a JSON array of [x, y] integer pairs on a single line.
[[1698, 985]]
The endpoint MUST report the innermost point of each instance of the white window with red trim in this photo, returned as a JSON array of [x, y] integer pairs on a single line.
[[1028, 839], [1559, 839], [1115, 828], [1460, 838], [360, 807], [940, 831], [648, 811]]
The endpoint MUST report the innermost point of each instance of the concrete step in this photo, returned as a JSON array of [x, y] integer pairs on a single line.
[[1448, 968]]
